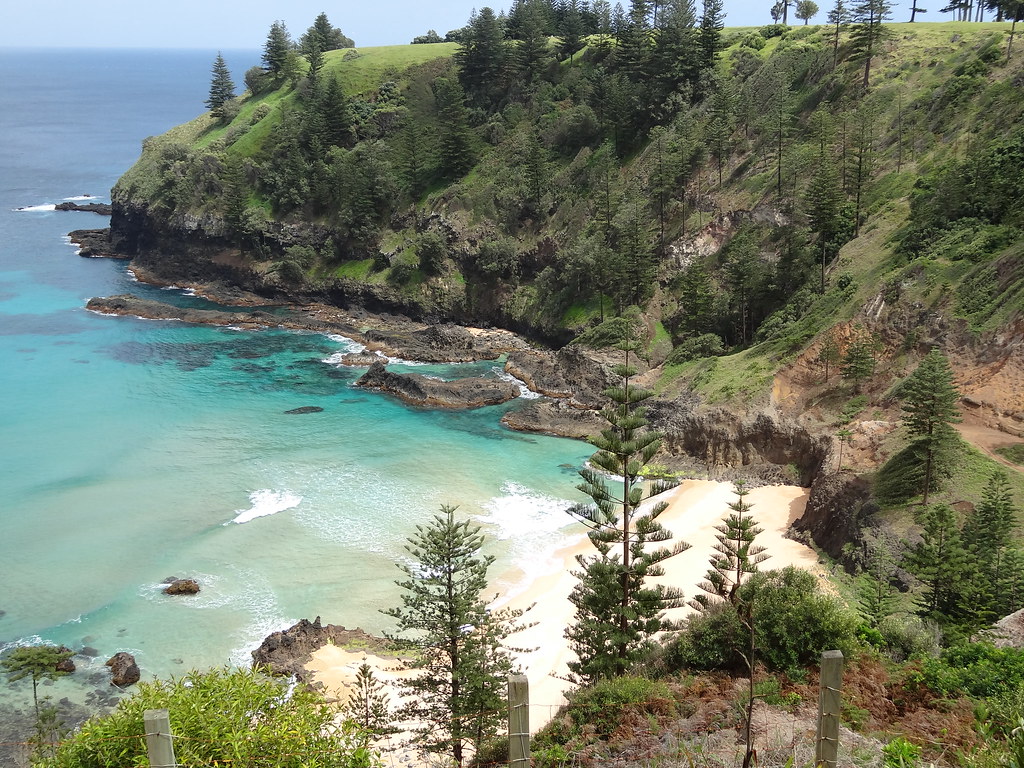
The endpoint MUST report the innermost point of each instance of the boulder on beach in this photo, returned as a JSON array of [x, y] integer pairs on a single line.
[[123, 669], [182, 587]]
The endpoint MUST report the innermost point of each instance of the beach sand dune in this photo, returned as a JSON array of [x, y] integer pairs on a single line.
[[695, 508]]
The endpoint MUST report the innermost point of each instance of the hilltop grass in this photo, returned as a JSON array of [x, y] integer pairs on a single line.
[[360, 70]]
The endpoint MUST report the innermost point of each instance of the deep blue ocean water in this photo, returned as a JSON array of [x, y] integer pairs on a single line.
[[134, 450]]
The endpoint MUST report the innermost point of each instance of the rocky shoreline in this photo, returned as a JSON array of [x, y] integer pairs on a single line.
[[761, 447], [415, 389], [287, 651]]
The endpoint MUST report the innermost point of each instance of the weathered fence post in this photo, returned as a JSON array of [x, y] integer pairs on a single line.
[[158, 738], [829, 706], [518, 721]]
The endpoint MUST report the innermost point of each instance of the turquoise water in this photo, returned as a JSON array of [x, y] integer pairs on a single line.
[[134, 450]]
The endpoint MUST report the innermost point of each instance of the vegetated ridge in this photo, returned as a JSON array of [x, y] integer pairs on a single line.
[[791, 221]]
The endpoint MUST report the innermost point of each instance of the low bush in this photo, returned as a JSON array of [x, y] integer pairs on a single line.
[[794, 623], [705, 345]]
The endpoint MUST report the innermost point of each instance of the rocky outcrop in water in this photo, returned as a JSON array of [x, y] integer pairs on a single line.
[[66, 666], [123, 669], [415, 389], [568, 373], [444, 343], [103, 209], [126, 304], [555, 417], [304, 409], [285, 652], [94, 243], [182, 587]]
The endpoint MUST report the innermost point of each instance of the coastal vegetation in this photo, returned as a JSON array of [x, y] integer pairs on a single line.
[[754, 211]]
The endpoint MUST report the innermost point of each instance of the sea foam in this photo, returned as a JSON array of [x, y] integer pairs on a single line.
[[43, 207], [524, 391], [266, 502], [536, 527], [522, 513]]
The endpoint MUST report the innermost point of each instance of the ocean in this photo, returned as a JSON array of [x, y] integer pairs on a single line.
[[133, 450]]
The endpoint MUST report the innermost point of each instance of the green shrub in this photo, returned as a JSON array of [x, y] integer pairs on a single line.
[[235, 717], [261, 111], [602, 705], [768, 31], [706, 345], [979, 670], [609, 333], [794, 622], [900, 753], [907, 637], [754, 41], [432, 249]]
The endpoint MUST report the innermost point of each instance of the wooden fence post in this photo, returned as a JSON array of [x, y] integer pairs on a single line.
[[518, 721], [829, 707], [158, 738]]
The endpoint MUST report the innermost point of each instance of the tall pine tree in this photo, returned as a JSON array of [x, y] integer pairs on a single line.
[[617, 610], [462, 664], [222, 87], [930, 403]]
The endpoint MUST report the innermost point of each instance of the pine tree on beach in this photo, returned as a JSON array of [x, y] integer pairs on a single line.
[[369, 704], [617, 610], [736, 554]]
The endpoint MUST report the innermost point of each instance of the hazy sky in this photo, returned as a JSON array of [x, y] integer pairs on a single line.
[[230, 24]]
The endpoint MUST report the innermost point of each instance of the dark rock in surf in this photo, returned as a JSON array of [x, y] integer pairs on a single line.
[[123, 669], [182, 587], [94, 243], [415, 389], [305, 409], [103, 209]]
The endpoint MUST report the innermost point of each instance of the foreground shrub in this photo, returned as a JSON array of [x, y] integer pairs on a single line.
[[236, 717]]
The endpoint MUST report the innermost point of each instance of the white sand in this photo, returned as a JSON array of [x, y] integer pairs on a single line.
[[695, 508]]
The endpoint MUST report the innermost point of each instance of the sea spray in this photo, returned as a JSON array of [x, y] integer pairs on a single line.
[[264, 503]]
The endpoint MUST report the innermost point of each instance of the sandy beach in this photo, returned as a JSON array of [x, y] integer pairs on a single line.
[[695, 508]]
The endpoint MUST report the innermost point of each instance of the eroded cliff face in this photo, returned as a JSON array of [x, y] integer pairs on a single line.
[[727, 444], [838, 509], [192, 249]]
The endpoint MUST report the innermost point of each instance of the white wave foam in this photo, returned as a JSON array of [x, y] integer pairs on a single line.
[[184, 291], [43, 207], [348, 347], [524, 513], [266, 502], [524, 391], [67, 241], [80, 197], [22, 642]]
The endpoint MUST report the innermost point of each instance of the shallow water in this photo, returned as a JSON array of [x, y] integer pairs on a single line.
[[135, 450]]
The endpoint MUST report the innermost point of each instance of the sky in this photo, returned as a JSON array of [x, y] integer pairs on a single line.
[[243, 24]]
